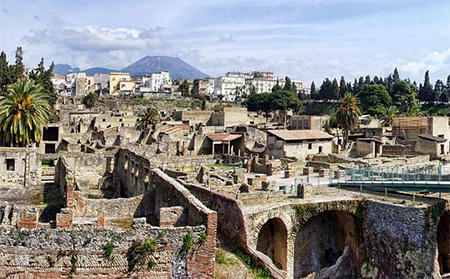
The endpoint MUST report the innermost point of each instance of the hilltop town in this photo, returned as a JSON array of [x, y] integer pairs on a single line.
[[144, 176]]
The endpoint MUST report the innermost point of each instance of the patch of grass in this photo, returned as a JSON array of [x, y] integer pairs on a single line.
[[202, 239], [94, 197], [74, 263], [259, 271], [306, 208], [88, 241], [139, 251], [108, 250], [221, 258], [187, 243]]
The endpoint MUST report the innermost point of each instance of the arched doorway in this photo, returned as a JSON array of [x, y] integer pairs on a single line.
[[324, 239], [272, 241], [443, 243]]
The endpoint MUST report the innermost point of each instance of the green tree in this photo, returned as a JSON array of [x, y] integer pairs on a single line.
[[313, 93], [347, 115], [184, 88], [259, 103], [342, 87], [23, 110], [388, 115], [373, 98], [326, 91], [5, 77], [277, 86], [404, 97], [90, 99], [17, 71], [284, 100], [426, 90], [287, 84], [43, 77], [445, 95], [147, 119], [335, 93]]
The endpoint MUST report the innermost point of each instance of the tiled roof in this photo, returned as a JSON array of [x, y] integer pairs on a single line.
[[432, 138], [223, 137], [296, 135]]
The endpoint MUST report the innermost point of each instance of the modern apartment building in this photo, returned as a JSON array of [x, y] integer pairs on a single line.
[[120, 83]]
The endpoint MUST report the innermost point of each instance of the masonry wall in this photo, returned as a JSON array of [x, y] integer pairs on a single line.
[[131, 173], [20, 165], [363, 148], [60, 253], [430, 147], [398, 150], [229, 212], [400, 241], [194, 117]]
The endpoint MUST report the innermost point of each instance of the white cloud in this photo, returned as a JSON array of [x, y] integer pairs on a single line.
[[438, 63], [97, 46]]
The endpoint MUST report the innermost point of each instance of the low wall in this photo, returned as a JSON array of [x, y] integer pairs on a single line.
[[398, 150]]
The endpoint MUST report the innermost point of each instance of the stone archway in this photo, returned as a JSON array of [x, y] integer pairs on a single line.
[[443, 243], [327, 240], [272, 241]]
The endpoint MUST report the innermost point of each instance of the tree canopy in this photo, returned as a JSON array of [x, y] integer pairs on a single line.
[[23, 109], [373, 98]]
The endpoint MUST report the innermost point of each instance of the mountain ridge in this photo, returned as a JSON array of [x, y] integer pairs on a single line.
[[177, 68]]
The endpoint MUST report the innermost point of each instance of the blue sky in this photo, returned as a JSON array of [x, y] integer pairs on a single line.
[[306, 40]]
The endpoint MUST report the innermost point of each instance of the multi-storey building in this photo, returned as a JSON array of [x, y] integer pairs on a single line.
[[204, 87], [159, 82], [120, 83], [226, 87]]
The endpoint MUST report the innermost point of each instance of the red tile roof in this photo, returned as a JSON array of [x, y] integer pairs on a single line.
[[296, 135]]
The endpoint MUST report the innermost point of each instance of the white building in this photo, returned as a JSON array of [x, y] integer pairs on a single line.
[[226, 87], [159, 81]]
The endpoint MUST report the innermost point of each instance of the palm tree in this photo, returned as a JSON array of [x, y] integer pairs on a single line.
[[148, 118], [90, 99], [23, 110], [348, 114], [388, 115]]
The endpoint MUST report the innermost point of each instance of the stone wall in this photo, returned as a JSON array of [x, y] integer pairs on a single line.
[[131, 172], [60, 253], [20, 165], [398, 150], [400, 241], [363, 148], [229, 212], [121, 207]]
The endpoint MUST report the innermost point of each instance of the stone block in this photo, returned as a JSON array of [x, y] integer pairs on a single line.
[[171, 216]]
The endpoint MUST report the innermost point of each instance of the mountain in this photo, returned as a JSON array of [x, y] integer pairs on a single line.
[[176, 67], [98, 70], [64, 69]]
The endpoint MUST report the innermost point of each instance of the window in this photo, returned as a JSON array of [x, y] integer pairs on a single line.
[[309, 145], [10, 166], [50, 148]]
